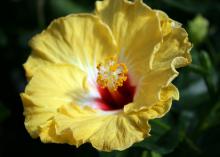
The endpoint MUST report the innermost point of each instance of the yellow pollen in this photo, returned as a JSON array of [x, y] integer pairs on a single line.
[[111, 74]]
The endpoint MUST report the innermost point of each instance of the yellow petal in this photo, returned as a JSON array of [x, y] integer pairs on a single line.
[[149, 89], [48, 90], [33, 63], [159, 109], [136, 29], [35, 115], [80, 40], [76, 126], [120, 132], [166, 23], [72, 124], [173, 52], [175, 45]]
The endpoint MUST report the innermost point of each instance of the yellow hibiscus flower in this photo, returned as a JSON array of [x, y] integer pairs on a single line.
[[100, 77]]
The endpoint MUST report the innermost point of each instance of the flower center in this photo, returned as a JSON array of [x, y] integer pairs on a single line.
[[113, 85], [111, 74]]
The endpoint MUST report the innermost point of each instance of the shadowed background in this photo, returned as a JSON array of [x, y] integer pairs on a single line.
[[191, 128]]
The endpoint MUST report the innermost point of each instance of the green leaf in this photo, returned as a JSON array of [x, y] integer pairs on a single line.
[[155, 154], [145, 154], [210, 77]]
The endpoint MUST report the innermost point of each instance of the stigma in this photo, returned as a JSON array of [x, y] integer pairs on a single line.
[[111, 74]]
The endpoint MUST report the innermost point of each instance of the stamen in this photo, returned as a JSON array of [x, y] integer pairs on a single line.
[[111, 74]]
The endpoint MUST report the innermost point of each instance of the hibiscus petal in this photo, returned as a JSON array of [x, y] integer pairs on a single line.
[[136, 29], [159, 109], [52, 87], [173, 52], [76, 126], [81, 40], [175, 45], [35, 115], [149, 89]]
